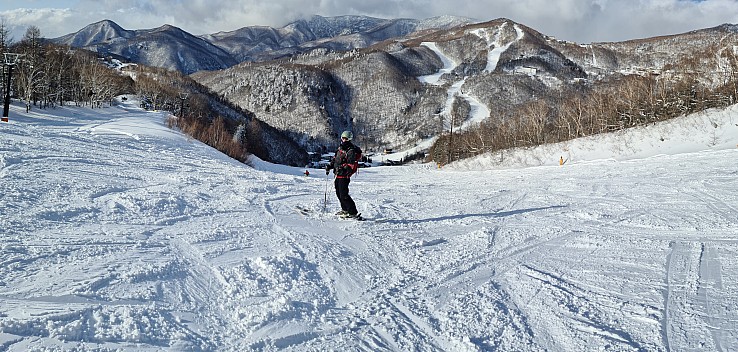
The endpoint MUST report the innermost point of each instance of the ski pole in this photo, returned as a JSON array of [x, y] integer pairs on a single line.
[[325, 199]]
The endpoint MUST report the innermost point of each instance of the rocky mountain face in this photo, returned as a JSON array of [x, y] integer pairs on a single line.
[[705, 47], [401, 83]]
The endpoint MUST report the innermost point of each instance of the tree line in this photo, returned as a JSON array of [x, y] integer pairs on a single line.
[[46, 75]]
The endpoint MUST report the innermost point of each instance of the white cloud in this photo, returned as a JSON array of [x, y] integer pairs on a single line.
[[20, 19], [578, 20]]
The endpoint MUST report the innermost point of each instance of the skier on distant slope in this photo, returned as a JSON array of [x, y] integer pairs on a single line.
[[344, 164]]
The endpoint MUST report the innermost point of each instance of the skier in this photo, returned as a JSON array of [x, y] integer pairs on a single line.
[[344, 164]]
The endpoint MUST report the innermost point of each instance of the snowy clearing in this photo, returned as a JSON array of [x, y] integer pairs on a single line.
[[120, 234]]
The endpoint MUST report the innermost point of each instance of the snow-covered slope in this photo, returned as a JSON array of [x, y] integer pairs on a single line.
[[709, 130], [120, 234]]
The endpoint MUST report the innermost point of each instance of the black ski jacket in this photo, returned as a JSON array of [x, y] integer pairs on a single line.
[[346, 161]]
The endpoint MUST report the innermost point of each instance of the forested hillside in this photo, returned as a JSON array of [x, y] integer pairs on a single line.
[[536, 89]]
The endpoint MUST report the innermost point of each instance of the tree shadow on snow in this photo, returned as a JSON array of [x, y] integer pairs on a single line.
[[499, 214]]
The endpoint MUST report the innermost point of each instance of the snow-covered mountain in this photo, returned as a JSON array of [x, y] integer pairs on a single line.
[[97, 33], [167, 46], [335, 33], [119, 234], [170, 47]]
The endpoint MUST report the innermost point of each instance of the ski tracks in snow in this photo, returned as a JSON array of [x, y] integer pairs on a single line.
[[694, 297], [413, 270]]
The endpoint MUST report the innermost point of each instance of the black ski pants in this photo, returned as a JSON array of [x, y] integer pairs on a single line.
[[342, 192]]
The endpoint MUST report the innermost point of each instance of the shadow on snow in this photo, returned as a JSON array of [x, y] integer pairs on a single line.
[[464, 216]]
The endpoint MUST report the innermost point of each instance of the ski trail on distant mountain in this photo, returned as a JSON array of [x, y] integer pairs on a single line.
[[477, 113], [448, 65], [478, 110], [493, 55]]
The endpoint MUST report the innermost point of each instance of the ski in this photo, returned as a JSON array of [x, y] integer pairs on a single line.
[[303, 210], [356, 217]]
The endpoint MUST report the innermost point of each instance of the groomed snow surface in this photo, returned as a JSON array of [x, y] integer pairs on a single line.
[[121, 234]]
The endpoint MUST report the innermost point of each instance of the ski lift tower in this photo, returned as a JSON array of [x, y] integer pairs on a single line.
[[11, 59]]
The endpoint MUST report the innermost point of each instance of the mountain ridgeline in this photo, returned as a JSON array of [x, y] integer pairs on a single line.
[[172, 48], [400, 82]]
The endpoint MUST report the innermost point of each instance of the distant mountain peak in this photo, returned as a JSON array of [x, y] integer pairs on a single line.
[[95, 33]]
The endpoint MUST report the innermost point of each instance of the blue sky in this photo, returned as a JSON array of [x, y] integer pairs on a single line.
[[583, 21]]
